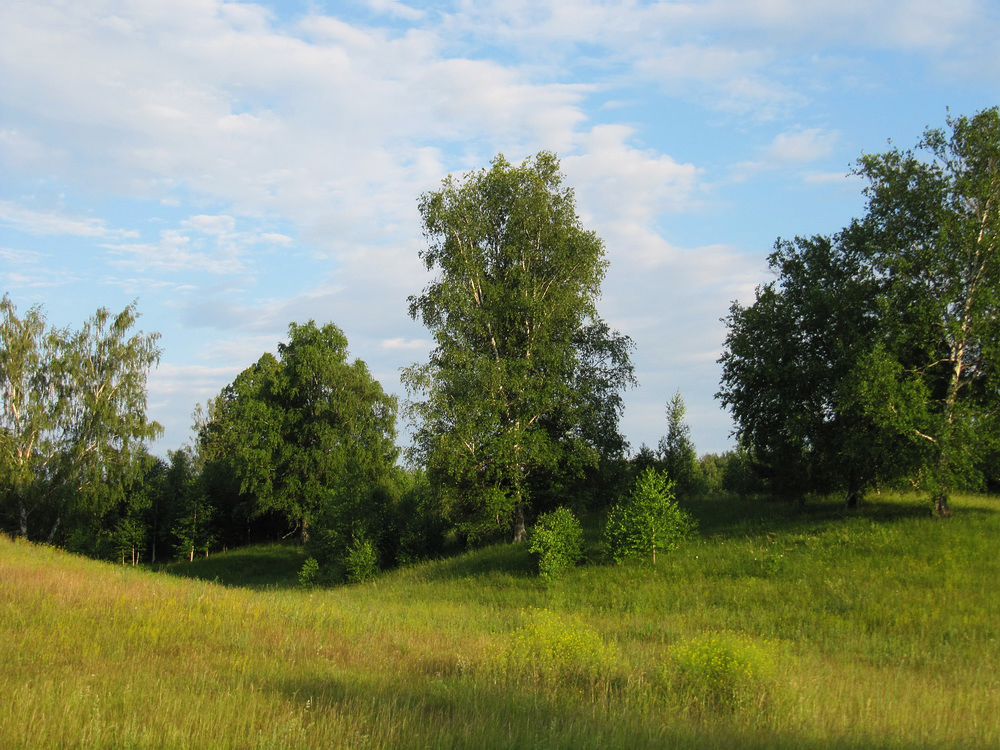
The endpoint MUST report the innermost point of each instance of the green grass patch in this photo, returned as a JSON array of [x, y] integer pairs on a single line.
[[878, 627]]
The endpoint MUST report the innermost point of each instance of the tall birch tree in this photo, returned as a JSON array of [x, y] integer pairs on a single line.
[[525, 379], [74, 418]]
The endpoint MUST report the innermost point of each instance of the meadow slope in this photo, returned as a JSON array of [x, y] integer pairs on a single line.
[[879, 628]]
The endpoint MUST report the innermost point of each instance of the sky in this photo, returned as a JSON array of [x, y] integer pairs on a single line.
[[237, 166]]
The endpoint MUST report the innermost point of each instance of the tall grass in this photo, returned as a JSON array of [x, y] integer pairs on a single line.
[[880, 628]]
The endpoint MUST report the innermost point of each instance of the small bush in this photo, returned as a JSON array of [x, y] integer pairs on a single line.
[[361, 560], [648, 521], [557, 542], [551, 650], [309, 574], [722, 672]]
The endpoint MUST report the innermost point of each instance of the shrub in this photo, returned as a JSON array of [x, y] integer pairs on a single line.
[[420, 520], [719, 672], [648, 521], [309, 573], [362, 560], [550, 650], [557, 542]]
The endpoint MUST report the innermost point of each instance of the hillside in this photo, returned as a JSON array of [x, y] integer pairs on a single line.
[[879, 627]]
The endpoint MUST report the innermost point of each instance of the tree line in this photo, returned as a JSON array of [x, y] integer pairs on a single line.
[[870, 360]]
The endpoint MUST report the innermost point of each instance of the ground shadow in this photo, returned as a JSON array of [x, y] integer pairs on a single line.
[[510, 559], [272, 566], [753, 516], [456, 711]]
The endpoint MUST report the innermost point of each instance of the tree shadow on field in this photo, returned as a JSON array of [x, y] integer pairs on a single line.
[[755, 516], [416, 709], [271, 566], [505, 559]]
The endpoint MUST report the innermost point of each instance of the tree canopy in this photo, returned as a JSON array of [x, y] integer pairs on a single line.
[[308, 433], [874, 353], [522, 391], [74, 414], [676, 451]]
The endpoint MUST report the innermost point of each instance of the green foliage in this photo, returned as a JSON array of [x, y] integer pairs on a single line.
[[934, 222], [711, 473], [787, 360], [420, 522], [309, 573], [677, 454], [73, 424], [361, 560], [740, 475], [874, 354], [521, 393], [720, 672], [192, 529], [556, 540], [551, 650], [310, 435], [648, 521]]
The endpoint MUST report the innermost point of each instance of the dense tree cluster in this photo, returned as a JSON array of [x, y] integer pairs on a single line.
[[873, 356], [871, 359], [73, 423], [309, 436]]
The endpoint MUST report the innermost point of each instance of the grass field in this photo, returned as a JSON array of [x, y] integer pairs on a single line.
[[779, 627]]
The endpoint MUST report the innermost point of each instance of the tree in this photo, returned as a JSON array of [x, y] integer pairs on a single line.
[[128, 528], [649, 520], [310, 435], [74, 414], [789, 369], [556, 541], [933, 224], [677, 453], [192, 527], [874, 354], [522, 390]]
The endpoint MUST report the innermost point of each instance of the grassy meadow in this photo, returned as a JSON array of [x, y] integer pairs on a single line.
[[778, 627]]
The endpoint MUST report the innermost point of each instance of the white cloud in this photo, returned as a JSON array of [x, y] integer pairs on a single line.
[[202, 243], [789, 149], [396, 9], [20, 257], [623, 191], [29, 269], [55, 223], [407, 344], [176, 251], [801, 146], [239, 352], [217, 225], [268, 123], [168, 379], [833, 178]]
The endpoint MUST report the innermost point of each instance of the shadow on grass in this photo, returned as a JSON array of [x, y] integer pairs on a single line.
[[499, 559], [741, 517], [725, 517], [271, 566], [419, 711]]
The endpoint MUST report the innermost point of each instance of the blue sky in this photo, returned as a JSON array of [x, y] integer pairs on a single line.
[[236, 166]]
